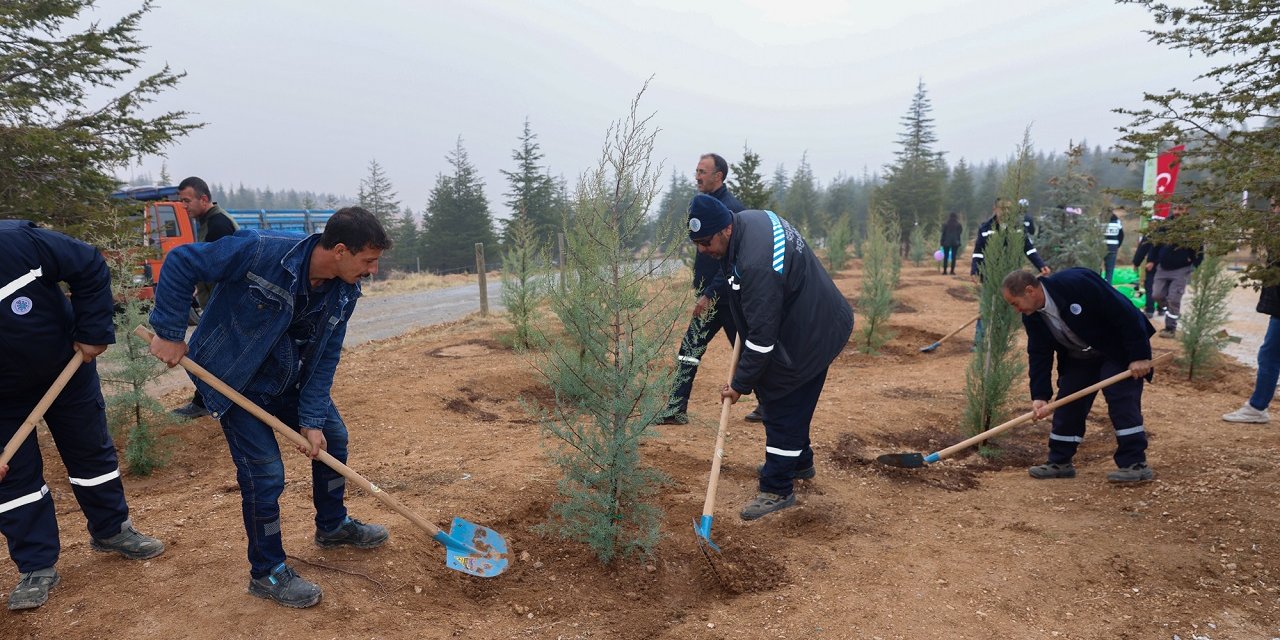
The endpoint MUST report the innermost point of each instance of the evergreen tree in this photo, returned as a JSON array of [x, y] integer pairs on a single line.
[[961, 197], [63, 133], [134, 416], [404, 242], [802, 200], [1071, 225], [918, 248], [747, 183], [1228, 122], [458, 217], [523, 287], [914, 182], [377, 196], [881, 266], [619, 318], [1201, 331], [839, 234], [995, 363], [778, 186], [165, 180], [532, 191], [674, 209]]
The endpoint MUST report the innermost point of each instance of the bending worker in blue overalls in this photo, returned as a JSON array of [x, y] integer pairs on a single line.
[[39, 328]]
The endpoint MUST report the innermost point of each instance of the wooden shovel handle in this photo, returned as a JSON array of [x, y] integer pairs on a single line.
[[46, 401], [959, 329], [1030, 415], [709, 506], [294, 437]]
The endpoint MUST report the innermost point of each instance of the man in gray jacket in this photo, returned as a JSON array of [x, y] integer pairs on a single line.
[[793, 321]]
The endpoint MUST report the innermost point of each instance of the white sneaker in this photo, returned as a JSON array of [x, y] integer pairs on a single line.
[[1248, 414]]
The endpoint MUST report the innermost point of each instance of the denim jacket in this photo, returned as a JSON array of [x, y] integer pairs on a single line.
[[251, 308]]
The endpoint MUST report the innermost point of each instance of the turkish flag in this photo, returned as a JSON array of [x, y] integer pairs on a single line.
[[1167, 165]]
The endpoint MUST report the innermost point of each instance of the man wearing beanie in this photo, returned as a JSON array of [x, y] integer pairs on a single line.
[[794, 323], [710, 285]]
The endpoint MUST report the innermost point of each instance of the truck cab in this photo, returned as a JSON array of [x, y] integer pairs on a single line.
[[166, 225]]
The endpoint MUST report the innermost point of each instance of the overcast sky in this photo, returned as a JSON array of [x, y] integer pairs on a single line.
[[303, 94]]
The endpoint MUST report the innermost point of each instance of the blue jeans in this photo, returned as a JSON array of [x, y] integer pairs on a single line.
[[1268, 367], [260, 472], [1110, 264]]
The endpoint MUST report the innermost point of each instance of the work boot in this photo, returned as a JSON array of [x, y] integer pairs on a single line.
[[1052, 470], [1139, 472], [766, 503], [799, 474], [190, 411], [1248, 414], [353, 533], [33, 589], [129, 543], [1168, 333], [286, 587], [675, 418], [755, 415]]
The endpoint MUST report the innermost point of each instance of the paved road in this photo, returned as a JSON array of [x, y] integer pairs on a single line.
[[388, 316]]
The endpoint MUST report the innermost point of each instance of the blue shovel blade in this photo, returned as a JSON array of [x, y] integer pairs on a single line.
[[702, 527], [473, 549]]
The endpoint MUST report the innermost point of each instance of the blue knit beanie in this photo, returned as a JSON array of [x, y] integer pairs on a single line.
[[707, 216]]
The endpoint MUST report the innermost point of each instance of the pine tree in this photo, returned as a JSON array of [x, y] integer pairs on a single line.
[[778, 186], [1071, 225], [995, 363], [165, 180], [523, 285], [458, 217], [619, 318], [404, 242], [839, 234], [378, 196], [134, 416], [914, 182], [746, 182], [961, 197], [802, 200], [881, 267], [63, 133], [1228, 122], [673, 212], [1202, 331], [532, 191]]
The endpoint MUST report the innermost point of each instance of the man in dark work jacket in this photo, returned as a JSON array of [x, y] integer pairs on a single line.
[[1096, 333], [710, 175], [794, 323]]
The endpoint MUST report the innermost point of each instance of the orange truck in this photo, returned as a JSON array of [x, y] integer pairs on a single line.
[[166, 225]]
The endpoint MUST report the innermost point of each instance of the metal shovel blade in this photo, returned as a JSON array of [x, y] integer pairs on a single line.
[[930, 347], [904, 460], [702, 527], [473, 549]]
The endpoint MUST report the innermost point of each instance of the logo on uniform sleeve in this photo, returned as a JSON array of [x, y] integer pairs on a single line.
[[21, 305], [695, 225], [1075, 309]]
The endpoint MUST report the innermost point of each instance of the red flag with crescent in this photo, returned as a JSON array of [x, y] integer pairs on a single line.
[[1167, 165]]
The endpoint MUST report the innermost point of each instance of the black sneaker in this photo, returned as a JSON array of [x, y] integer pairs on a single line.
[[286, 587], [353, 533], [1138, 472], [800, 474], [129, 543], [1052, 470], [675, 418], [766, 503], [33, 589], [190, 411], [755, 415]]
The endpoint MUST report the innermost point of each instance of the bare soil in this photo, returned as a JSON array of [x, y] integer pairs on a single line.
[[970, 547]]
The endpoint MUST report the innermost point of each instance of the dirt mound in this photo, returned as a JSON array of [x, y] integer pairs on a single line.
[[739, 570], [468, 349], [964, 294]]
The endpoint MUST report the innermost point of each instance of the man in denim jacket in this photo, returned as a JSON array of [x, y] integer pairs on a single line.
[[273, 331]]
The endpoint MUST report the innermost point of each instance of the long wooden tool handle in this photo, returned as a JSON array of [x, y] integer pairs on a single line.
[[709, 506], [959, 329], [295, 437], [1030, 415], [46, 401]]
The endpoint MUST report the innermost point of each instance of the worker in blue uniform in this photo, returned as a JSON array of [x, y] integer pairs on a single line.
[[40, 329]]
